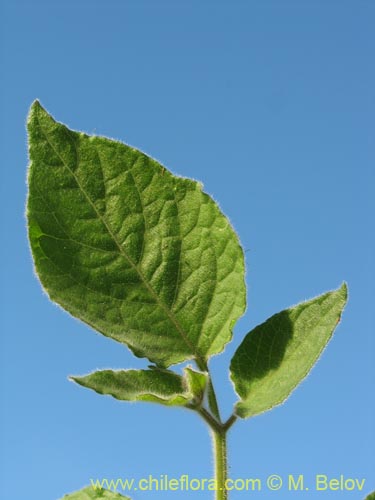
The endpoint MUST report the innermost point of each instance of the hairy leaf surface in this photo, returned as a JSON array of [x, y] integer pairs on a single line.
[[143, 256], [155, 386], [278, 354], [89, 493]]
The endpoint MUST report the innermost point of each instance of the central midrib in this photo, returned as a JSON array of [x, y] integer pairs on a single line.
[[170, 315]]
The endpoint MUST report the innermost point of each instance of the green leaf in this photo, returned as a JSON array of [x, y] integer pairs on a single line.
[[371, 496], [90, 493], [155, 386], [196, 383], [141, 255], [278, 354]]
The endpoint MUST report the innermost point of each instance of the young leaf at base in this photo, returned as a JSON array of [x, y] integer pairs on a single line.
[[278, 354], [90, 493], [155, 386], [141, 255]]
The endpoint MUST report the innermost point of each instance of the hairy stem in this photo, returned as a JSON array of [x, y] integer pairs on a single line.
[[210, 420], [221, 464], [219, 435]]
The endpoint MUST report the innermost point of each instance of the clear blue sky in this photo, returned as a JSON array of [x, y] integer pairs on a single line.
[[271, 105]]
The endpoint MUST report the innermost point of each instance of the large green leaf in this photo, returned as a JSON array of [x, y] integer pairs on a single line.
[[157, 386], [278, 354], [143, 256], [90, 493], [371, 496]]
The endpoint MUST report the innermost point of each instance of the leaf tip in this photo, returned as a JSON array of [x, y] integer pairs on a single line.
[[36, 104], [344, 289], [36, 109], [343, 293], [75, 379]]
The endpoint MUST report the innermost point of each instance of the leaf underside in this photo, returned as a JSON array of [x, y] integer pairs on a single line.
[[156, 386], [278, 354], [89, 493], [141, 255]]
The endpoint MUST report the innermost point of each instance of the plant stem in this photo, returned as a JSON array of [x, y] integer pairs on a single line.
[[210, 420], [221, 465], [212, 401], [219, 435], [219, 438], [211, 395]]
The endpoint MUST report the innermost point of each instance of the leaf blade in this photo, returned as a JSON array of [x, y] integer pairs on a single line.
[[278, 354], [117, 239]]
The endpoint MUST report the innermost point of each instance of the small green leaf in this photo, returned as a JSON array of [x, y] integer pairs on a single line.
[[371, 496], [155, 386], [141, 255], [196, 383], [90, 493], [278, 354]]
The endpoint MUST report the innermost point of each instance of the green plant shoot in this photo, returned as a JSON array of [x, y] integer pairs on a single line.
[[148, 259]]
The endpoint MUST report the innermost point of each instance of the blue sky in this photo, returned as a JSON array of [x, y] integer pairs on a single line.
[[271, 105]]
